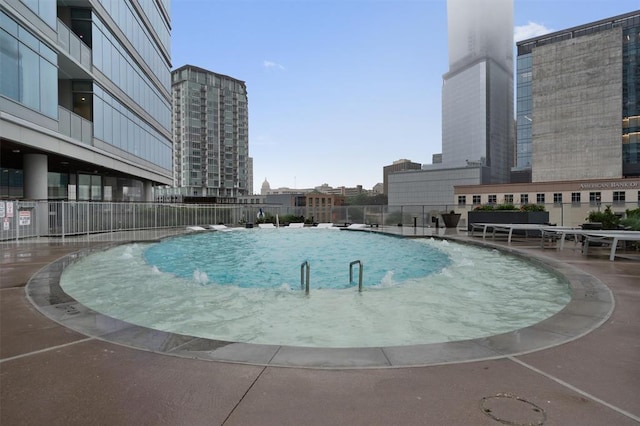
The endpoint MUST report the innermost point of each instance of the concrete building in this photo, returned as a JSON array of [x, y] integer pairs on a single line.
[[318, 207], [578, 122], [477, 107], [211, 136], [397, 166], [250, 176], [433, 188], [578, 110], [342, 191], [568, 202], [85, 105]]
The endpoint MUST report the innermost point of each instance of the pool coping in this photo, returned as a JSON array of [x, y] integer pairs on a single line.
[[591, 304]]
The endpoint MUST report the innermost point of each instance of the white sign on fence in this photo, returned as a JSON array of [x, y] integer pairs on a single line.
[[6, 224], [1, 208], [24, 217], [9, 209]]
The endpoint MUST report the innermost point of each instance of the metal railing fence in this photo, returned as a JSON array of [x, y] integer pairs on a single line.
[[28, 219]]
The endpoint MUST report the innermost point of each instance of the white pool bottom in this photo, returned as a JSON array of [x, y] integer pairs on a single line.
[[482, 293]]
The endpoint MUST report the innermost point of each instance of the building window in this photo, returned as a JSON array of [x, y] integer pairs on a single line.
[[477, 200], [557, 198], [29, 75], [619, 197], [524, 198], [508, 198], [493, 199], [462, 200], [595, 198], [540, 198], [575, 198]]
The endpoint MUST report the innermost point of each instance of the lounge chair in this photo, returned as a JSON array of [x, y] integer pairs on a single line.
[[195, 228], [296, 225], [266, 226], [357, 226], [326, 225]]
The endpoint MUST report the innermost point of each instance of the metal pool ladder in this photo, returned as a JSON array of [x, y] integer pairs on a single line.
[[361, 267], [303, 267]]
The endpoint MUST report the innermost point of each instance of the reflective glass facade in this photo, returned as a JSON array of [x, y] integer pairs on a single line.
[[631, 96], [86, 92], [28, 68], [45, 9], [477, 95]]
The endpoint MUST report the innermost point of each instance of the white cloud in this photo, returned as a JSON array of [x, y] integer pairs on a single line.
[[270, 65], [530, 30]]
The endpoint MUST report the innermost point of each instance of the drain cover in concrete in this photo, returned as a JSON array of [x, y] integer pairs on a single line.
[[512, 410]]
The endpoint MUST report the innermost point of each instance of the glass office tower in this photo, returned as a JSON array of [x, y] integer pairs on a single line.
[[85, 106], [477, 98]]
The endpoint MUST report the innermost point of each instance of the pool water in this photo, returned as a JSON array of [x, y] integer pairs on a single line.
[[271, 258], [464, 293]]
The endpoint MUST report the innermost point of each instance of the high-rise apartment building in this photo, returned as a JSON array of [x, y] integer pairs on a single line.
[[85, 104], [211, 135], [477, 96], [578, 102]]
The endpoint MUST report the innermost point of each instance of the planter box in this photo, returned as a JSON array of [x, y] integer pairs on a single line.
[[506, 217]]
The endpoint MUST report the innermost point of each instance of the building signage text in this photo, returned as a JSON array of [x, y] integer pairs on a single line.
[[611, 185]]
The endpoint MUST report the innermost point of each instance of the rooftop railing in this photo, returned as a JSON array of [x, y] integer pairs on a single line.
[[28, 219]]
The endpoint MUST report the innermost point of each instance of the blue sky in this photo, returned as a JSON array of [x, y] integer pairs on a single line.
[[340, 88]]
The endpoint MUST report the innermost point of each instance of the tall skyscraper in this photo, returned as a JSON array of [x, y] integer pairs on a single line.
[[477, 98], [85, 105], [211, 134], [477, 107]]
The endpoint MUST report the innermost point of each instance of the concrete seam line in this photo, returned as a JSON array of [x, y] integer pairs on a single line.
[[244, 395], [575, 389], [45, 350]]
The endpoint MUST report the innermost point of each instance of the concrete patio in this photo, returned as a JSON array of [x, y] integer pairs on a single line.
[[50, 374]]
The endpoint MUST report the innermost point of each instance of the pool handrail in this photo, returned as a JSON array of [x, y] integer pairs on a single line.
[[305, 266], [359, 263]]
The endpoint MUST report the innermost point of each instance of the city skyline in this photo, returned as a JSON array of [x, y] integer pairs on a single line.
[[334, 97]]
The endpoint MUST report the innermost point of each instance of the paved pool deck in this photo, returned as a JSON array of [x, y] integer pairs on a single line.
[[51, 374]]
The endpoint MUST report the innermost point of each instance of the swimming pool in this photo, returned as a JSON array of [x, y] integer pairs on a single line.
[[471, 293], [271, 258]]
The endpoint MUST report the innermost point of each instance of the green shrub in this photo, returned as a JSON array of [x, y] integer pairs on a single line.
[[506, 206], [607, 217], [512, 207], [632, 221], [291, 218], [532, 208], [485, 207]]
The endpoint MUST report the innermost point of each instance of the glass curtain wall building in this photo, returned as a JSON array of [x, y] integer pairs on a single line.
[[211, 136], [586, 111], [477, 95], [85, 105]]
